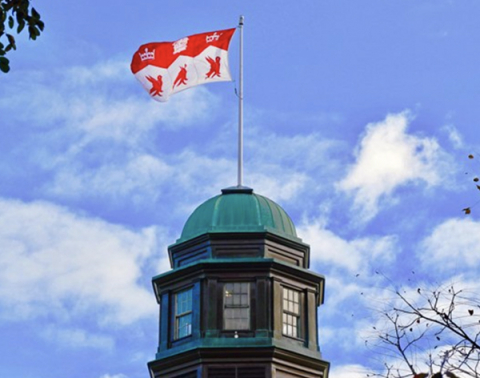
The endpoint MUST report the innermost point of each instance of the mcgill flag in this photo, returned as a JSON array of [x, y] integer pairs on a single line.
[[165, 68]]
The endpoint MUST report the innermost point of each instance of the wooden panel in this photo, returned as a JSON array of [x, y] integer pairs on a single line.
[[190, 374], [221, 372], [187, 257], [312, 335], [291, 373], [277, 309], [263, 308], [236, 371], [236, 248], [284, 253], [210, 306], [251, 372]]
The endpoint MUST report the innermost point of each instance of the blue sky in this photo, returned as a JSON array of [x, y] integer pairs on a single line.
[[359, 117]]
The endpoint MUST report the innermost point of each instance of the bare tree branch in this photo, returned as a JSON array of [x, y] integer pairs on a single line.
[[431, 334]]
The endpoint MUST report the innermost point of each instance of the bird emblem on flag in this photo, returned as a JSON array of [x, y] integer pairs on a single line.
[[181, 78], [165, 68], [214, 67], [157, 84]]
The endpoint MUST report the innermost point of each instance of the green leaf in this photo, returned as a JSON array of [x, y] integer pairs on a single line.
[[23, 7], [35, 14], [40, 25], [4, 64], [32, 31], [11, 39], [21, 25], [19, 17], [437, 375], [11, 43], [10, 22]]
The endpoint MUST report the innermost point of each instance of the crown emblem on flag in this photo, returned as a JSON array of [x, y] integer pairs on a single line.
[[180, 45], [147, 55], [212, 37]]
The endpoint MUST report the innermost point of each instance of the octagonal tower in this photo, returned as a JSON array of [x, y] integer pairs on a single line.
[[240, 301]]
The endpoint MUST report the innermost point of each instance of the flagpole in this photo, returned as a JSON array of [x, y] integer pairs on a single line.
[[240, 108]]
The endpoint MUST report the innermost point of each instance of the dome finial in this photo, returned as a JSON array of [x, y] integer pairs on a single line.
[[237, 189]]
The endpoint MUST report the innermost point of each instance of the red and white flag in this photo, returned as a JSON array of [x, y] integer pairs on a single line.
[[165, 68]]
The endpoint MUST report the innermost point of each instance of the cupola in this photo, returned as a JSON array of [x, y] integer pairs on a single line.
[[240, 301]]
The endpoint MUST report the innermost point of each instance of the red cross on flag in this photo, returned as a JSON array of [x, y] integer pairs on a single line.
[[165, 68]]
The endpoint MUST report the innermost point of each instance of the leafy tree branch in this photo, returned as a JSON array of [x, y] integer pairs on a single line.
[[16, 16]]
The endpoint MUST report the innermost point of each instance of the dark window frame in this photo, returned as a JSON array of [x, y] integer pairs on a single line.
[[232, 306], [177, 316], [292, 308]]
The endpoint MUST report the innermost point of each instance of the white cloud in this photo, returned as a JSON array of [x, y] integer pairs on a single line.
[[453, 246], [349, 371], [114, 376], [353, 255], [112, 70], [97, 102], [143, 179], [76, 338], [138, 177], [388, 157], [284, 167], [350, 310], [281, 187], [54, 263], [307, 152], [349, 266], [453, 135]]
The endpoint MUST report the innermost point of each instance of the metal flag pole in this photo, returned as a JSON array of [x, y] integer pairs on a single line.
[[240, 108]]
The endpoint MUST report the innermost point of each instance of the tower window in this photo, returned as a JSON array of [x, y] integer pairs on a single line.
[[291, 312], [183, 314], [236, 306]]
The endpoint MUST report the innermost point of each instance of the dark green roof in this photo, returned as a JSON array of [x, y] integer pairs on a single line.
[[238, 209]]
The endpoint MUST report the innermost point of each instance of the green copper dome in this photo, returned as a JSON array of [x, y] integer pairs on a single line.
[[238, 209]]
